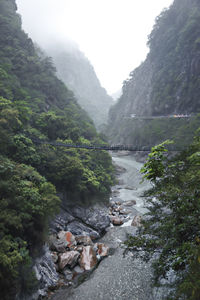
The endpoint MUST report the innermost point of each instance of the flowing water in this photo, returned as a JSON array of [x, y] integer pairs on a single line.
[[119, 276]]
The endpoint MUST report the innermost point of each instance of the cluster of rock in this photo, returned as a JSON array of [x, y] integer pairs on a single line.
[[71, 251], [118, 213], [75, 254]]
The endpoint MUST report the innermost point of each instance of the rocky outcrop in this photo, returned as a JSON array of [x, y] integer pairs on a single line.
[[72, 251], [94, 217], [166, 83], [91, 221], [46, 274]]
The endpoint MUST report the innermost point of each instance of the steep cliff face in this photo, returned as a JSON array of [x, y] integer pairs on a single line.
[[168, 82], [78, 74]]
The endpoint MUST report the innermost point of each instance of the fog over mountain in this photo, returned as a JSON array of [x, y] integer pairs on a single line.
[[112, 34], [76, 71]]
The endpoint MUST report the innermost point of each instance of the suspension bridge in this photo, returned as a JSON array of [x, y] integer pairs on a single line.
[[131, 148]]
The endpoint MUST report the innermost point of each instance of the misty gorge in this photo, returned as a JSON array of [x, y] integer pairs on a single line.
[[100, 150]]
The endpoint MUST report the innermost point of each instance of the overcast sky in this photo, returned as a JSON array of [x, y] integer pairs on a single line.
[[111, 33]]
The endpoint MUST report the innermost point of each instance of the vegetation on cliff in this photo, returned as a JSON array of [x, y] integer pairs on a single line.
[[35, 104], [166, 83], [171, 229]]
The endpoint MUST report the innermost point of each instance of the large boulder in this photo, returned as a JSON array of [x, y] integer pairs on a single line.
[[56, 244], [116, 220], [67, 236], [94, 217], [102, 249], [84, 240], [88, 258], [60, 221], [130, 203], [78, 228], [69, 258]]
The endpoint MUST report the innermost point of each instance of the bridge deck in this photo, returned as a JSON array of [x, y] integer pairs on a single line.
[[102, 147]]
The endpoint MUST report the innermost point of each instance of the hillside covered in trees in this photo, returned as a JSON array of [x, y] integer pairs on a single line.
[[170, 231], [79, 75], [35, 104], [166, 83]]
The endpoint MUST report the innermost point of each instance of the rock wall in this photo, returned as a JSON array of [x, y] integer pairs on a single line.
[[166, 83]]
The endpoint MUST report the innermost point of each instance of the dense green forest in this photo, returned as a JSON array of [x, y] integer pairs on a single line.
[[166, 83], [34, 103], [171, 228]]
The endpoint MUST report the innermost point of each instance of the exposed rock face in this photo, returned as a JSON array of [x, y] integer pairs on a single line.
[[88, 258], [69, 259], [79, 220], [166, 83], [94, 217], [78, 228], [45, 273], [60, 221], [71, 244]]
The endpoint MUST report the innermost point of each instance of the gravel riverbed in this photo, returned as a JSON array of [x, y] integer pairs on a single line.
[[119, 276]]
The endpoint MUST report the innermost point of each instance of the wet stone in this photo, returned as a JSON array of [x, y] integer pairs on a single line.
[[68, 274], [84, 240], [68, 258], [88, 258], [77, 228], [56, 244], [102, 249], [116, 221]]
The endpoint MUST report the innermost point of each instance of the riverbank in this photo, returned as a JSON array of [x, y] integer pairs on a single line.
[[119, 276]]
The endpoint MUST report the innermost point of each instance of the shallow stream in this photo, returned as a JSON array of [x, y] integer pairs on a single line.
[[119, 276]]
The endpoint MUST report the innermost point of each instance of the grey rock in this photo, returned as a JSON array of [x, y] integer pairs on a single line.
[[84, 240], [78, 228], [94, 217], [88, 259], [56, 244], [68, 258], [60, 221], [78, 270], [45, 272], [68, 274]]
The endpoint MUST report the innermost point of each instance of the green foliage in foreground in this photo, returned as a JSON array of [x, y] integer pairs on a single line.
[[27, 202], [172, 225]]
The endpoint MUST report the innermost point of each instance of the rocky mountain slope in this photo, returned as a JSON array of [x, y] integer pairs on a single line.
[[79, 75], [166, 83]]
